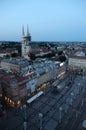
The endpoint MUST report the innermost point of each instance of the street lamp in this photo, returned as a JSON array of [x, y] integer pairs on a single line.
[[25, 117], [60, 118], [40, 118], [25, 125], [79, 87]]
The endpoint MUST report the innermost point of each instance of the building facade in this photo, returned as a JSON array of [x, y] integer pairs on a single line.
[[17, 65], [13, 89], [77, 63], [24, 79]]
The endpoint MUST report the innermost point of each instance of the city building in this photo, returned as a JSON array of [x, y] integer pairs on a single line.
[[13, 89], [2, 73], [8, 52], [0, 88], [23, 79], [26, 39], [62, 70], [46, 71], [16, 65], [78, 62]]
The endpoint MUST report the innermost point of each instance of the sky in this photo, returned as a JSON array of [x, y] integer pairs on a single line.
[[48, 20]]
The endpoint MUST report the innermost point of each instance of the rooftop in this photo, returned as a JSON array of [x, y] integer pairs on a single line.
[[78, 57], [12, 79], [17, 61], [79, 53]]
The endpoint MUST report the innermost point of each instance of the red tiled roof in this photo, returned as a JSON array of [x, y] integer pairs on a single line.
[[20, 78], [33, 52], [78, 57], [44, 50], [6, 78]]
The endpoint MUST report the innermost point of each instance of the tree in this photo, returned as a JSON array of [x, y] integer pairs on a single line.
[[62, 58], [60, 53], [14, 54], [32, 56]]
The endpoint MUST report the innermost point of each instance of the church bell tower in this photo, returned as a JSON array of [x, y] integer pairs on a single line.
[[26, 40]]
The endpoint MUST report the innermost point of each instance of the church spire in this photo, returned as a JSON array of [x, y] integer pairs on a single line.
[[28, 34], [23, 30]]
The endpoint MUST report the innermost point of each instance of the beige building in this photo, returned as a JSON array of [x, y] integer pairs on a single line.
[[78, 62], [61, 71], [42, 78]]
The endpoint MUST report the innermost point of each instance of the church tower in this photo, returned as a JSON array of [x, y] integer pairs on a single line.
[[26, 40]]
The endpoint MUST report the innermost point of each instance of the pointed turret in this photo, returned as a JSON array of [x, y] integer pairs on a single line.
[[23, 31], [28, 34]]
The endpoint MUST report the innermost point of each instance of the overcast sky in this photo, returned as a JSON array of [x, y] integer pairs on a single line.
[[48, 20]]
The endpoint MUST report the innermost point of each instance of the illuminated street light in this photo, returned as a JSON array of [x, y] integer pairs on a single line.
[[60, 118], [25, 125], [40, 118], [25, 117]]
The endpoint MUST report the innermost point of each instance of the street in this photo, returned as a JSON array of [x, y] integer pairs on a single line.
[[60, 111]]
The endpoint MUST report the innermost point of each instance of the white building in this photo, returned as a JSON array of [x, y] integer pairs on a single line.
[[78, 61]]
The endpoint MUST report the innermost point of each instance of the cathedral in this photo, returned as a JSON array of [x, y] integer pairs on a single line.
[[26, 40]]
